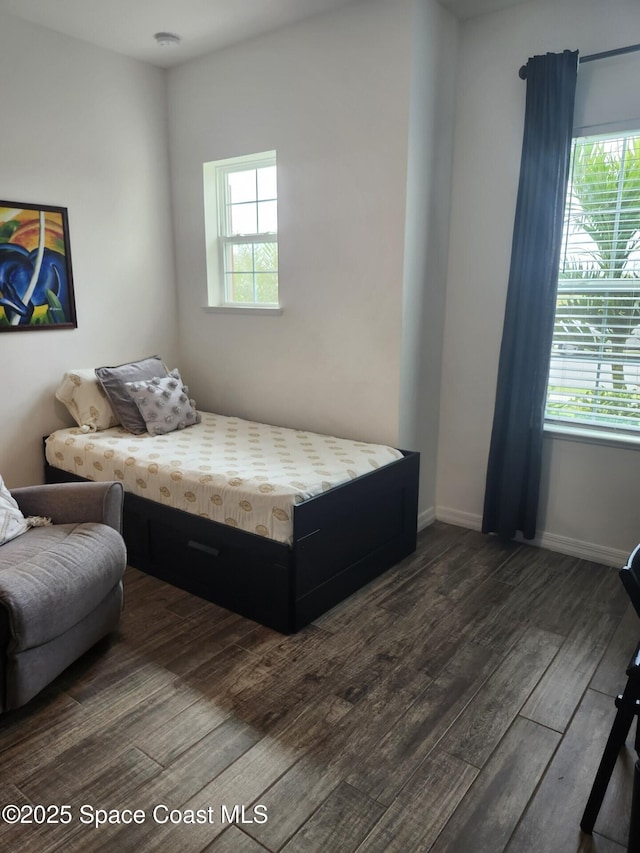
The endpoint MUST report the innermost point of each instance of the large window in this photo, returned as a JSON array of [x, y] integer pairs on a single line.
[[241, 213], [594, 379]]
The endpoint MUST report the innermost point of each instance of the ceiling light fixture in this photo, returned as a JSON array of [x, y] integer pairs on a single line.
[[167, 39]]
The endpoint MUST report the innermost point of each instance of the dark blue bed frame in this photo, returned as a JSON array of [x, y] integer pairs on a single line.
[[342, 539]]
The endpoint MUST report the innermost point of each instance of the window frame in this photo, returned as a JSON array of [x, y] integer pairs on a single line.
[[582, 428], [217, 206]]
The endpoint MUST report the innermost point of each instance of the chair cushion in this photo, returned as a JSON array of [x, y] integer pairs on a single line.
[[52, 577]]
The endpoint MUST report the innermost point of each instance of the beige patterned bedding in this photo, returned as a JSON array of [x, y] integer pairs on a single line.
[[232, 471]]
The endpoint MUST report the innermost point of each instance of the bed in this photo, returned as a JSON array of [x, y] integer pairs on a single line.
[[226, 509]]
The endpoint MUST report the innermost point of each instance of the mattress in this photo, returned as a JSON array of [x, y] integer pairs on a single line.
[[229, 470]]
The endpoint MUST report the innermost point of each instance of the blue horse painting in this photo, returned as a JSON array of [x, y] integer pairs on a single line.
[[35, 286]]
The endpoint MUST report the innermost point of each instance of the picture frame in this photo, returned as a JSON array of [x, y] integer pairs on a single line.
[[36, 279]]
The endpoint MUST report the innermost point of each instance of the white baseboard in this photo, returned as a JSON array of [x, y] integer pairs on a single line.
[[561, 544], [584, 550], [426, 518], [459, 518]]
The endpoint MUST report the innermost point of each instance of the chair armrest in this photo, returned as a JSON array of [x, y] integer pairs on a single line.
[[66, 503]]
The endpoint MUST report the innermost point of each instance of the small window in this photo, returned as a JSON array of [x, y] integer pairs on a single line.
[[241, 218], [594, 377]]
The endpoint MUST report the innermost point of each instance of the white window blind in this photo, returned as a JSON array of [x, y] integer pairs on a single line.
[[594, 377]]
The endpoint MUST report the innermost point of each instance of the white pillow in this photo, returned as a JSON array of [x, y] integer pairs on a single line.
[[164, 403], [86, 401], [12, 521]]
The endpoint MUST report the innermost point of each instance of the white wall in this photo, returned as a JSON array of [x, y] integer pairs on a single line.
[[427, 237], [85, 129], [332, 96], [590, 493]]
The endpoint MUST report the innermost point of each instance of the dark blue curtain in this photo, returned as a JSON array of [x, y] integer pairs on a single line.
[[513, 474]]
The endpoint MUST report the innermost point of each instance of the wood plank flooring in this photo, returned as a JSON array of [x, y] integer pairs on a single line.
[[458, 704]]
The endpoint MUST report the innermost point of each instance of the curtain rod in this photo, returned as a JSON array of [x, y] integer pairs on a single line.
[[632, 48]]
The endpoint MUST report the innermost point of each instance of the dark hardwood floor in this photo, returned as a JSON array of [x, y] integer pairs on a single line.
[[460, 703]]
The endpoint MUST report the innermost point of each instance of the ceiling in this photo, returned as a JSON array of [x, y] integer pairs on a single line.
[[128, 26]]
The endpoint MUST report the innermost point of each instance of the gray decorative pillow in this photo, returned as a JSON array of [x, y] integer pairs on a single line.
[[164, 403], [114, 380]]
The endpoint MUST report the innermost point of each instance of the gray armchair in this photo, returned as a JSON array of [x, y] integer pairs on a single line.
[[60, 585]]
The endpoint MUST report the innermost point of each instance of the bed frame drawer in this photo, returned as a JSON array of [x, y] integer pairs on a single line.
[[245, 574]]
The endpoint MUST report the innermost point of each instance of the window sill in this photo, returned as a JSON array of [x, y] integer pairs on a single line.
[[585, 435], [273, 311]]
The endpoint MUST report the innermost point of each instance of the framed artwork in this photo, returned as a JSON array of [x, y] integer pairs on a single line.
[[36, 283]]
